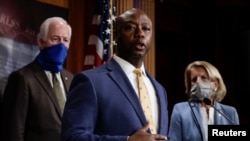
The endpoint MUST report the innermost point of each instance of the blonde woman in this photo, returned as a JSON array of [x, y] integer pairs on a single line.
[[206, 89]]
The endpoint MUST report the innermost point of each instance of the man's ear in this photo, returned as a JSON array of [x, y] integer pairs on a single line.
[[41, 43]]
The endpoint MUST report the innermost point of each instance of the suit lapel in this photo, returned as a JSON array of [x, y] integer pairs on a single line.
[[121, 80], [66, 80], [218, 118], [160, 101], [41, 77]]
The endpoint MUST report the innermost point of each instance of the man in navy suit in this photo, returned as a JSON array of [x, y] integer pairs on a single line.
[[103, 102]]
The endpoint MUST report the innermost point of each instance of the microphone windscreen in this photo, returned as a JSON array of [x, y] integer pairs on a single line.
[[207, 101]]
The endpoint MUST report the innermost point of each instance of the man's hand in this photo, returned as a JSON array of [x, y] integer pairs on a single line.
[[143, 135]]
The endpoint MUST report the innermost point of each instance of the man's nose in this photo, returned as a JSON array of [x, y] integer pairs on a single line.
[[61, 40], [139, 33]]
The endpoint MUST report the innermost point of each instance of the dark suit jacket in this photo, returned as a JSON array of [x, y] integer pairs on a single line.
[[31, 110], [183, 126], [102, 105]]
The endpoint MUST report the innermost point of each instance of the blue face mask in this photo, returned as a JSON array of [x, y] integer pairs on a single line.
[[52, 58]]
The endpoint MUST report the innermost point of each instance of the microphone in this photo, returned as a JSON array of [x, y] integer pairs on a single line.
[[196, 120], [207, 101]]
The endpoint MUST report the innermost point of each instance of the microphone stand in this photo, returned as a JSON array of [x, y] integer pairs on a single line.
[[207, 101], [195, 120]]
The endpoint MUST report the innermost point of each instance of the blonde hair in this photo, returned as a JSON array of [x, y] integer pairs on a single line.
[[213, 74]]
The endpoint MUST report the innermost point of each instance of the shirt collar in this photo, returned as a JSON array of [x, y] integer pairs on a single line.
[[126, 66]]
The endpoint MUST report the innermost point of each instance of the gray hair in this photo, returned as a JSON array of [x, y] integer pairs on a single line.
[[45, 26]]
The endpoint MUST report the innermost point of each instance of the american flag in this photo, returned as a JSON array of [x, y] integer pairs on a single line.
[[98, 51]]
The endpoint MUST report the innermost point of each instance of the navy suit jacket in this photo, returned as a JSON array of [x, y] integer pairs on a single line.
[[102, 105], [183, 126]]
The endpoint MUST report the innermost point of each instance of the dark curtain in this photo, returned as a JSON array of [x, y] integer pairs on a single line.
[[202, 30]]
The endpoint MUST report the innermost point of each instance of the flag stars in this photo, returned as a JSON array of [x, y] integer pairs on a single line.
[[107, 31], [109, 21], [113, 18], [106, 41], [103, 24], [105, 51], [114, 43]]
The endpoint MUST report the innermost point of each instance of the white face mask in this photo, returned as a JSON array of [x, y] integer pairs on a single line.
[[201, 90]]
